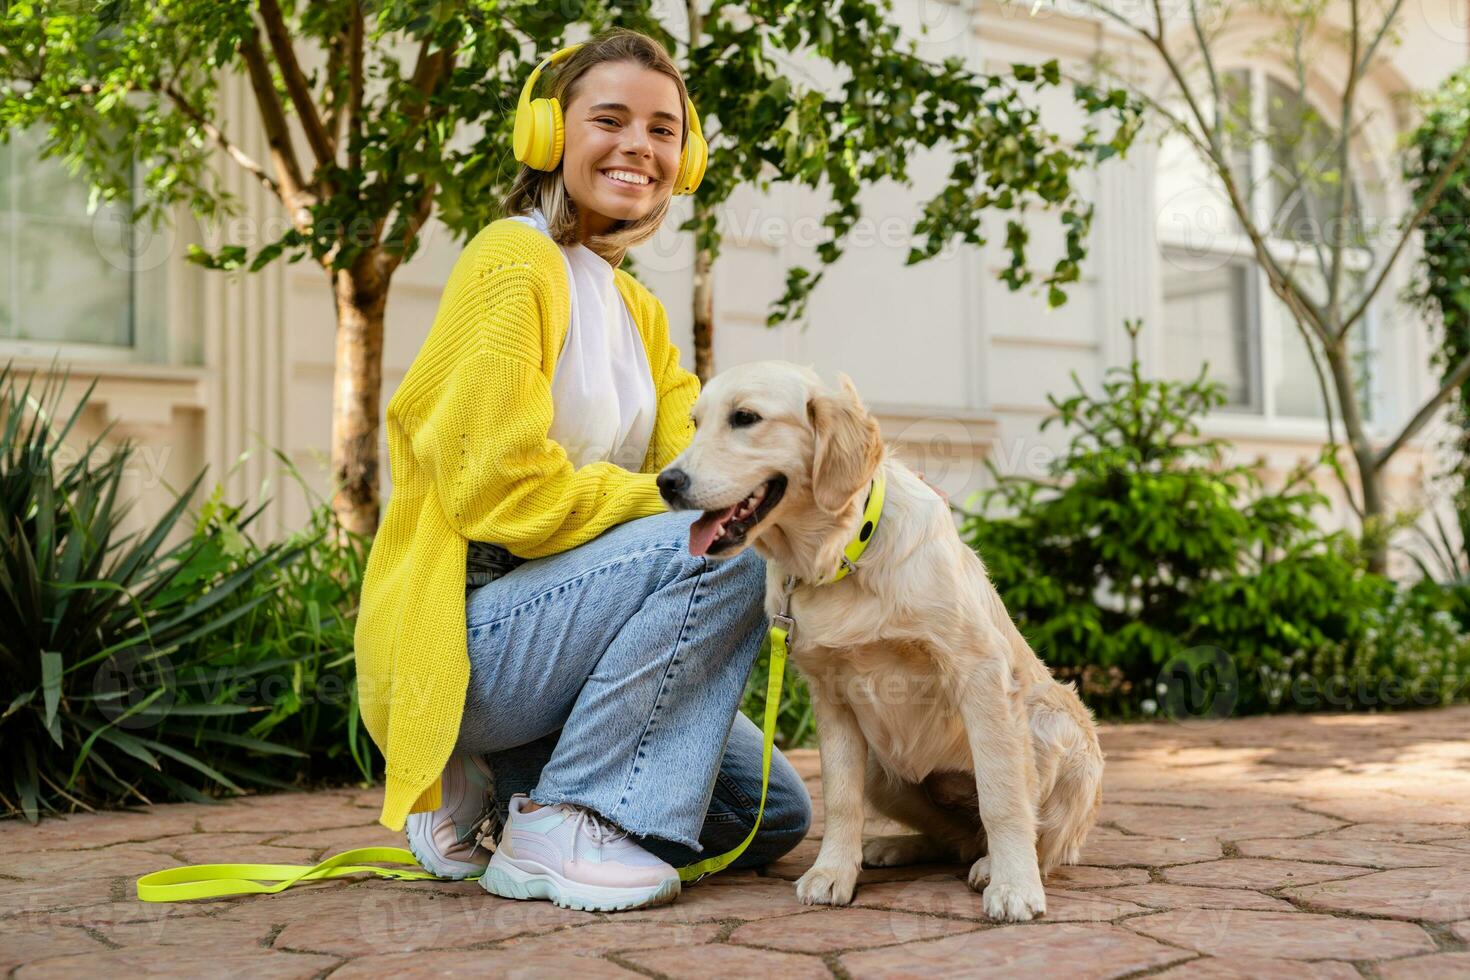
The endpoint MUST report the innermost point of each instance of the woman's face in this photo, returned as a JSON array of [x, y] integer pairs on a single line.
[[623, 119]]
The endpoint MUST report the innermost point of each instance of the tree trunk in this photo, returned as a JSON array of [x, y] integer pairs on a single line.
[[358, 381], [1370, 477], [704, 309]]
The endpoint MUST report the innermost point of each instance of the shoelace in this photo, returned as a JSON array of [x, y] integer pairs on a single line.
[[484, 828], [600, 832]]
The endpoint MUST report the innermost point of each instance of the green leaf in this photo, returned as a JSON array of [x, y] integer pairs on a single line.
[[51, 691]]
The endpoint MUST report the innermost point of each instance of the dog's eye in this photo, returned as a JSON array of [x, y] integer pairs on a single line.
[[742, 417]]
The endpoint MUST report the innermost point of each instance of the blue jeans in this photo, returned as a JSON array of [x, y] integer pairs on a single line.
[[610, 676]]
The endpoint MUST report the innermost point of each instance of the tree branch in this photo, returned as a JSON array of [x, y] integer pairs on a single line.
[[1452, 382], [1446, 174], [1344, 166], [214, 132], [296, 85], [294, 191], [354, 85]]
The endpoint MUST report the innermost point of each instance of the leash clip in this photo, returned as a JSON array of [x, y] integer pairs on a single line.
[[786, 623]]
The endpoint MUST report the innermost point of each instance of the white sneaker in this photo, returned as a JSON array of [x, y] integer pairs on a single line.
[[451, 841], [576, 859]]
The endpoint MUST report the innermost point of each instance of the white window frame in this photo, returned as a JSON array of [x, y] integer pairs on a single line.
[[152, 343], [1267, 322]]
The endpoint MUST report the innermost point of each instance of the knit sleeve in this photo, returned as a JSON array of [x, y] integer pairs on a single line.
[[478, 419], [677, 389]]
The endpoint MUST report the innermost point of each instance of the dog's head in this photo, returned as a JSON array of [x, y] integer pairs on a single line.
[[772, 444]]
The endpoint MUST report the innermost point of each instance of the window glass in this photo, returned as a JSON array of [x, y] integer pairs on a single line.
[[1304, 169], [67, 276], [1207, 318]]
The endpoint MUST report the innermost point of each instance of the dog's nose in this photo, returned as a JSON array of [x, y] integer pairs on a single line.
[[672, 483]]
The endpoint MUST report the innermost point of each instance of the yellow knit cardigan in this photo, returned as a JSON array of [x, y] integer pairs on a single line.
[[471, 460]]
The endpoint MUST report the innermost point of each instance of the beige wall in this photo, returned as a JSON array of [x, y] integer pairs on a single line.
[[956, 366]]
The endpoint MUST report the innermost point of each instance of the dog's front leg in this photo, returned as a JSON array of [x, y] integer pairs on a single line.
[[1000, 744], [844, 750]]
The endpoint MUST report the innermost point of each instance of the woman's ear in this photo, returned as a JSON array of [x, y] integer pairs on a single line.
[[849, 445]]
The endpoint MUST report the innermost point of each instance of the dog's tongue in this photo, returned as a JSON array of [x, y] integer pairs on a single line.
[[702, 533]]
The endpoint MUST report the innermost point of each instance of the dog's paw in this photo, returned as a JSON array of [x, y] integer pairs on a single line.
[[901, 849], [1014, 898], [980, 873], [827, 885]]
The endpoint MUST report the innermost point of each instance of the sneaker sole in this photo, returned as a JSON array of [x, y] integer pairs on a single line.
[[510, 881], [439, 867]]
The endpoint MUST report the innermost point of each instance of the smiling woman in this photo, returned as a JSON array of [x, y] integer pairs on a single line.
[[539, 654]]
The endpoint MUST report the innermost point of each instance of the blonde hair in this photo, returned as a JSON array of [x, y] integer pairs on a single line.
[[547, 189]]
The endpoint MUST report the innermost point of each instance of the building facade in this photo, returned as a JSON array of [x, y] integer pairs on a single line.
[[202, 368]]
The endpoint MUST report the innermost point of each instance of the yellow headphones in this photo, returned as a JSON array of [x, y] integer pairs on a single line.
[[541, 134]]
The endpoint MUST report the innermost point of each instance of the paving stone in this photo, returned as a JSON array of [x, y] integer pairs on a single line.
[[1086, 876], [29, 941], [762, 898], [1284, 935], [389, 919], [950, 895], [830, 930], [184, 851], [1258, 873], [1407, 893], [1402, 833], [164, 962], [1038, 949], [199, 932], [87, 830], [616, 936], [1435, 967], [1220, 822], [113, 913], [1160, 896], [1149, 852], [1254, 967], [1146, 791], [1367, 854], [288, 813], [338, 839], [1403, 783], [730, 961], [482, 963]]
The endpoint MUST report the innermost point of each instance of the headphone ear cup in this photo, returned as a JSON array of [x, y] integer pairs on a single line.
[[539, 134], [692, 164]]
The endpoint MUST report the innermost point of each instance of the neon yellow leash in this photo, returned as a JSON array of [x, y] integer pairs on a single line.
[[223, 880]]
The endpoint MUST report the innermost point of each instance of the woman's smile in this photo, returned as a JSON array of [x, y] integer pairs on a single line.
[[633, 181]]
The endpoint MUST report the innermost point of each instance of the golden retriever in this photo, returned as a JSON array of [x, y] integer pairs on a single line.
[[928, 700]]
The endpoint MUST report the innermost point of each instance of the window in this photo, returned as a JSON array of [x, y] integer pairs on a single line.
[[85, 285], [1217, 303]]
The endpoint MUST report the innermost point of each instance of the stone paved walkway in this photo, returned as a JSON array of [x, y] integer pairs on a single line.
[[1317, 846]]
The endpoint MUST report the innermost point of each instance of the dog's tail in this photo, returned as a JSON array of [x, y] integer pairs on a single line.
[[1069, 810]]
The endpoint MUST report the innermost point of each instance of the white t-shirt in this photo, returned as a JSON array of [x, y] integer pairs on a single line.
[[602, 394]]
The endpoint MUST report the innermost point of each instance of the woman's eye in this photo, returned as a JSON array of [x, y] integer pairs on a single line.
[[740, 418], [607, 119]]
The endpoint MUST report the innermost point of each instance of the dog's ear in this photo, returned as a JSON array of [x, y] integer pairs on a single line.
[[849, 445]]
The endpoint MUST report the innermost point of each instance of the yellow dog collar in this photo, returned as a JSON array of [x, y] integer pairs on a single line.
[[872, 508]]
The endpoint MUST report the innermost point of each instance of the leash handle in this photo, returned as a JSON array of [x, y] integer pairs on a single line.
[[222, 880], [194, 881]]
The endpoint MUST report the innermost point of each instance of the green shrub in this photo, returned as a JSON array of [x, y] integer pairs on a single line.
[[125, 662], [1160, 578]]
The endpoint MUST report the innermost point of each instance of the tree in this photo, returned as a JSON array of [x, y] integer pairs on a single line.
[[1322, 179], [1442, 289], [380, 115], [777, 124]]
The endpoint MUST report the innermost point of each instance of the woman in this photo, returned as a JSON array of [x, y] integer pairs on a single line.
[[536, 647]]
